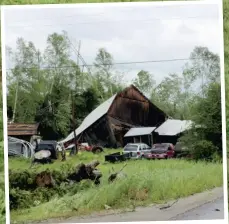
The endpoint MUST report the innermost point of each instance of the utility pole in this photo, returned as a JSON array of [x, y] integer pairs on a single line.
[[74, 124], [38, 64], [78, 55]]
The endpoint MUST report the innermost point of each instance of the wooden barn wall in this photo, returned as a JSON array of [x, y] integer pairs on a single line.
[[131, 107], [119, 129], [99, 133]]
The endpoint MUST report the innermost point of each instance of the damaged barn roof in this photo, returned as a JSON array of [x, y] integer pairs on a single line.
[[97, 113], [139, 131], [104, 108], [173, 127]]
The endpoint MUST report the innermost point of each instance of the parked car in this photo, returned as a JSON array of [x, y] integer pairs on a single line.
[[138, 150], [84, 147], [161, 151]]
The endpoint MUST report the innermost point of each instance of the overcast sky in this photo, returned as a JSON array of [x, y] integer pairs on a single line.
[[130, 33]]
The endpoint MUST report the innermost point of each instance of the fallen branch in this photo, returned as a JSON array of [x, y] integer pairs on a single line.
[[114, 176], [168, 206]]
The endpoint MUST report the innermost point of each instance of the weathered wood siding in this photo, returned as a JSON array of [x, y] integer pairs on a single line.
[[133, 108]]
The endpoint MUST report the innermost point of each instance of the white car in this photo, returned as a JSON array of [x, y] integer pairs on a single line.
[[137, 149]]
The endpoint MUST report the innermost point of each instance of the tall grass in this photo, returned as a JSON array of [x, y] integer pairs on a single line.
[[2, 186], [146, 182]]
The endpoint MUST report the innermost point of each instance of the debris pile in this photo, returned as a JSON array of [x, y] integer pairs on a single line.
[[88, 171]]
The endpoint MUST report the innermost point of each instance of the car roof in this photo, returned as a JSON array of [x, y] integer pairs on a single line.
[[136, 144]]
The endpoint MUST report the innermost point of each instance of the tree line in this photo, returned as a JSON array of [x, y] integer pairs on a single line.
[[46, 86]]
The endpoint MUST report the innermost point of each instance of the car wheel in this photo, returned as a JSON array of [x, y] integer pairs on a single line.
[[97, 149]]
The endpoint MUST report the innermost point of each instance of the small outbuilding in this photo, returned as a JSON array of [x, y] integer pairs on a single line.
[[26, 132], [140, 135], [171, 130]]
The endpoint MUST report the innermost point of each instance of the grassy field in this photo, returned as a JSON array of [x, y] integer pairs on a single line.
[[2, 191], [146, 182]]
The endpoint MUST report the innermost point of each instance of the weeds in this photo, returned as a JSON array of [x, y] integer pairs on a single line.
[[146, 182]]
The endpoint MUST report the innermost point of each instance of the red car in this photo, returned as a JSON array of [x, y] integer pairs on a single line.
[[161, 151]]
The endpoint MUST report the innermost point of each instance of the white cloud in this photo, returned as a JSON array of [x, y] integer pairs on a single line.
[[129, 33]]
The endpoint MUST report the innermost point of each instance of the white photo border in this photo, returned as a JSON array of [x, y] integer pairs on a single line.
[[120, 4]]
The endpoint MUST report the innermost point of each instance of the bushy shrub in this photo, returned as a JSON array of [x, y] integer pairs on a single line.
[[24, 194], [204, 150]]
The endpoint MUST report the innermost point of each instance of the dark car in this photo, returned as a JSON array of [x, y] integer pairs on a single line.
[[161, 151]]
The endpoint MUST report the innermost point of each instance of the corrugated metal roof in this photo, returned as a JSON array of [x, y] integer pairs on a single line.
[[16, 129], [173, 127], [100, 111], [139, 131]]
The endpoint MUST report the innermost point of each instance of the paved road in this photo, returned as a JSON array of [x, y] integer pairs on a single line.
[[208, 211], [204, 212], [203, 206]]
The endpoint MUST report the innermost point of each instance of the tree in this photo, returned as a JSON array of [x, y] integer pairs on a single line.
[[203, 67], [144, 82], [106, 82], [24, 81], [204, 141], [171, 97]]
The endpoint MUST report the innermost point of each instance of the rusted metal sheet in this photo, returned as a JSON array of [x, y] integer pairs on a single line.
[[19, 129]]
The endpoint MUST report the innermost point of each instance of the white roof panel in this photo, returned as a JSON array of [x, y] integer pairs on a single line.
[[139, 131], [173, 127], [97, 113]]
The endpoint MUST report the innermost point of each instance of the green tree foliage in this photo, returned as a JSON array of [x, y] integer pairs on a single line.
[[45, 86], [105, 81], [145, 82], [204, 141], [170, 96]]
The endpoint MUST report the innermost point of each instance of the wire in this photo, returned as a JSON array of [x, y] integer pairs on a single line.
[[118, 63], [119, 21]]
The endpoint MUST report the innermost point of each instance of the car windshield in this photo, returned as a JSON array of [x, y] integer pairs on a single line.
[[160, 146], [147, 147], [131, 148]]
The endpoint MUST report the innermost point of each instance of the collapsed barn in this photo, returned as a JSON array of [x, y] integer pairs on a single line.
[[109, 122]]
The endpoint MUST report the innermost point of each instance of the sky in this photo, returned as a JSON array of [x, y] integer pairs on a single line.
[[130, 33]]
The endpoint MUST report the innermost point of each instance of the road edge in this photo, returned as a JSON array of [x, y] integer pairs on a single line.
[[166, 211]]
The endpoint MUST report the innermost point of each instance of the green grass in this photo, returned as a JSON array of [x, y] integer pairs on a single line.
[[2, 190], [17, 164], [147, 182]]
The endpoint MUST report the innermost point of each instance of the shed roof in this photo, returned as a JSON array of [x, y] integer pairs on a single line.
[[139, 131], [18, 129], [91, 118], [173, 127]]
